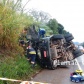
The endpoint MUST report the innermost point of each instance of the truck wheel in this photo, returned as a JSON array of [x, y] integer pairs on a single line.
[[57, 37], [69, 38], [68, 35], [76, 51], [78, 54], [53, 64]]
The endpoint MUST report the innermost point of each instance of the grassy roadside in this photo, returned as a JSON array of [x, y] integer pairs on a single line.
[[16, 67]]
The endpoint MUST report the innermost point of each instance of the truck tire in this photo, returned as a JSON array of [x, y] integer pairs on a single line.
[[59, 36], [76, 51], [78, 54], [69, 38], [68, 35]]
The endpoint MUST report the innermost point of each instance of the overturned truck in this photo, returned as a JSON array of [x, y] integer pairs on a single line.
[[53, 49]]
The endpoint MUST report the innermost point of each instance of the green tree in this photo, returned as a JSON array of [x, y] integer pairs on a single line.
[[60, 28], [53, 24]]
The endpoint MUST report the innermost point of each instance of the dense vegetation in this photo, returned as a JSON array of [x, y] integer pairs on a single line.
[[13, 20]]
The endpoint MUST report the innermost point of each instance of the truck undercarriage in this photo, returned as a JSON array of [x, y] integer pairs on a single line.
[[53, 50]]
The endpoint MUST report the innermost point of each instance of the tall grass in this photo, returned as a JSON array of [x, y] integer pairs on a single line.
[[17, 68], [12, 22]]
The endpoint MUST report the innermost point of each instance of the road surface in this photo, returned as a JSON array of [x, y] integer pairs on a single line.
[[61, 75]]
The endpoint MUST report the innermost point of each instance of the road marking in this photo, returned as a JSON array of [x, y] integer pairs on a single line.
[[78, 65]]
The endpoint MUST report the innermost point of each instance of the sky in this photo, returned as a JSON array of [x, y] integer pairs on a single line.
[[70, 13]]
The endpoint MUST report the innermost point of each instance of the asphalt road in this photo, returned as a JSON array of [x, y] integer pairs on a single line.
[[61, 75]]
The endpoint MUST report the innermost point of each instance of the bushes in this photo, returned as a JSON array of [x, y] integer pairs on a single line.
[[17, 68]]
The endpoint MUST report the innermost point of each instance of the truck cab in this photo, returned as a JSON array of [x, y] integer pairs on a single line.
[[53, 51]]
